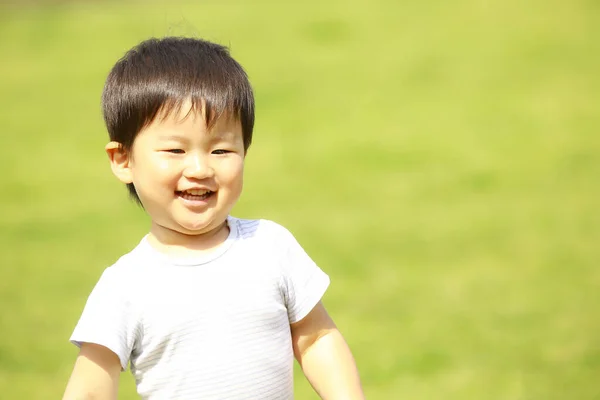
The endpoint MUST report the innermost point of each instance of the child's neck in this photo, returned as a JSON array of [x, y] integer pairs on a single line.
[[177, 244]]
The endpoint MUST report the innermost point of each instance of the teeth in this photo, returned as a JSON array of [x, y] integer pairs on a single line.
[[197, 192]]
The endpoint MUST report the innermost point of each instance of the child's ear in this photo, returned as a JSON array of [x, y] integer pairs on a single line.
[[119, 161]]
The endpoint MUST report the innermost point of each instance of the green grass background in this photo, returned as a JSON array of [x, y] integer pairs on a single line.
[[440, 160]]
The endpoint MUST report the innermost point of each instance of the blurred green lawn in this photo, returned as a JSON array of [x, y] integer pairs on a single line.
[[440, 160]]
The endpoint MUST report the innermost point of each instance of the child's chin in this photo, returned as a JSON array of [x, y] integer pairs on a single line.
[[197, 227]]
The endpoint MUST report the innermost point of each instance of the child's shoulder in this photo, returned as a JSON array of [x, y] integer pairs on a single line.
[[261, 229], [128, 264], [129, 261]]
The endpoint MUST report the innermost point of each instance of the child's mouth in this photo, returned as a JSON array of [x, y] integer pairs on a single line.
[[194, 195]]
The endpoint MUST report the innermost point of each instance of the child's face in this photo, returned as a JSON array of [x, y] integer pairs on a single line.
[[188, 178]]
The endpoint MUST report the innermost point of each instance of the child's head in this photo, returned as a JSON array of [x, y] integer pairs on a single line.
[[155, 79], [180, 114]]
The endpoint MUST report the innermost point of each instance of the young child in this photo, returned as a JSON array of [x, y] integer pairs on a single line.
[[207, 306]]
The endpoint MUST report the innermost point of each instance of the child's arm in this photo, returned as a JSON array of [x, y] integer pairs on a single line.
[[95, 376], [325, 357]]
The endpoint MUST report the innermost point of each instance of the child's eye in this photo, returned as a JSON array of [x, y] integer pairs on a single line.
[[175, 151], [221, 151]]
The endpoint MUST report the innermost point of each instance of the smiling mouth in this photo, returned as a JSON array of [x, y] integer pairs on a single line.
[[194, 195]]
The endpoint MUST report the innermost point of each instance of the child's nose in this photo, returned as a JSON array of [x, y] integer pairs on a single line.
[[198, 166]]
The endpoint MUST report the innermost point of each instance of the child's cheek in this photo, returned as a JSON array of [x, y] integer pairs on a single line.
[[162, 164]]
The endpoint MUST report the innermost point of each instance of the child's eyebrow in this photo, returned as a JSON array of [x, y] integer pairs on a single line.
[[224, 136], [173, 137]]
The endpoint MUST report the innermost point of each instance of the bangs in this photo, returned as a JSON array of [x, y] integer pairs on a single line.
[[211, 108]]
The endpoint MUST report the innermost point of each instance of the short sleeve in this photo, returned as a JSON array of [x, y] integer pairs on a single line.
[[108, 318], [304, 282]]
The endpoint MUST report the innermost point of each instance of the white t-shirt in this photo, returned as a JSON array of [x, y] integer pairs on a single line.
[[217, 327]]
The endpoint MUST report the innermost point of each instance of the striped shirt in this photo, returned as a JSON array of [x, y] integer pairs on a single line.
[[216, 327]]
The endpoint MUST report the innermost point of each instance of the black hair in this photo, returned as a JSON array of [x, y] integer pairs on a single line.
[[160, 74]]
